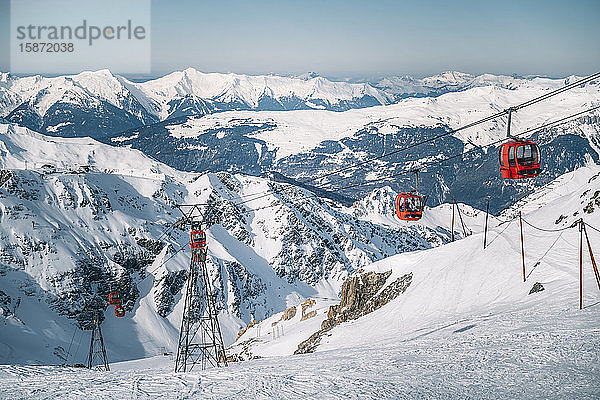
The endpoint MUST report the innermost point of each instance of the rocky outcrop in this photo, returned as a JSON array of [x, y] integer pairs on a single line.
[[289, 313], [537, 287], [308, 315], [5, 175], [167, 288], [5, 301], [361, 294]]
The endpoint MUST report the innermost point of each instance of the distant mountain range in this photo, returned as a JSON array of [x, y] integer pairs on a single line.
[[296, 128], [304, 144], [99, 103]]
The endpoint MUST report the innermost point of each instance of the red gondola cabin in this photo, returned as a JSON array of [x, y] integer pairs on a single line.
[[197, 239], [119, 311], [114, 299], [409, 206], [520, 159]]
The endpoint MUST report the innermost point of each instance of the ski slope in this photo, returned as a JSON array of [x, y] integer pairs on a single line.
[[466, 327], [461, 281], [506, 356]]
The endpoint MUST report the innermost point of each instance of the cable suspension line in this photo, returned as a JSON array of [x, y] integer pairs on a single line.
[[450, 132], [404, 173]]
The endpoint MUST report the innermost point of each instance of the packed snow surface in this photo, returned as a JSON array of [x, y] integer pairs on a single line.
[[538, 353]]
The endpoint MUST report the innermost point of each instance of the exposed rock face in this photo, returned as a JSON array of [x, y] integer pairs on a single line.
[[308, 315], [308, 303], [168, 287], [594, 201], [289, 314], [5, 301], [537, 287], [361, 295], [246, 353], [5, 175]]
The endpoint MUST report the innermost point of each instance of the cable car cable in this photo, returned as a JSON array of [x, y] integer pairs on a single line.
[[70, 344], [450, 132], [590, 226], [365, 183], [537, 263], [500, 234]]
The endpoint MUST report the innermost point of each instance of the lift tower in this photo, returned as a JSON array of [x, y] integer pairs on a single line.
[[200, 340], [97, 355]]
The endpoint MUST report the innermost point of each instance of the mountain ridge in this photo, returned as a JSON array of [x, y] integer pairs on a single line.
[[80, 218]]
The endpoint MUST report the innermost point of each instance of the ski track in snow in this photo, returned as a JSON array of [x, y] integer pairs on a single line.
[[504, 355]]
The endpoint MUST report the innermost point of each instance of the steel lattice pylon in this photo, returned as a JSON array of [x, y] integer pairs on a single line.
[[97, 354], [200, 340]]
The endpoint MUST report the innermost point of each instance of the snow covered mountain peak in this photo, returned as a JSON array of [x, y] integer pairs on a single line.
[[306, 76], [110, 103], [101, 104], [251, 90]]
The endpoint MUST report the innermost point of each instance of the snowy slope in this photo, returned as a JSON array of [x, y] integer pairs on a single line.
[[465, 328], [511, 356], [460, 285], [86, 218], [468, 326]]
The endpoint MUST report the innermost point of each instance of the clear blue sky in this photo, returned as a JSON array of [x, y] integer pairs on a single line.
[[366, 38]]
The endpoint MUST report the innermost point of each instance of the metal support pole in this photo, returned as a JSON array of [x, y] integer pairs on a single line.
[[417, 181], [91, 352], [594, 265], [522, 246], [581, 263], [508, 122], [461, 220], [487, 213], [453, 201]]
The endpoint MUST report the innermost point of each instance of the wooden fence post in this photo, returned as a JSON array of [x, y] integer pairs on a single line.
[[522, 246]]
